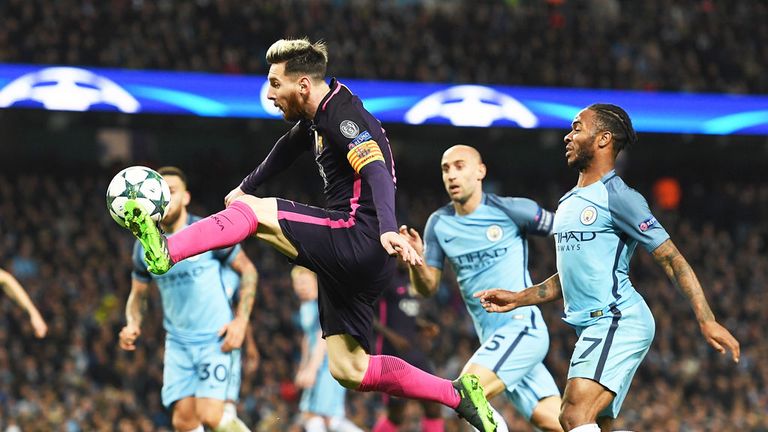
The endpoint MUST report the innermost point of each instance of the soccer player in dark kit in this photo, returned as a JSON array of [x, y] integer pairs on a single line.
[[352, 244]]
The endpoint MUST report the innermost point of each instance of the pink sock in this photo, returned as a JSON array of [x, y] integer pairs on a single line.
[[432, 424], [225, 228], [394, 376], [384, 425]]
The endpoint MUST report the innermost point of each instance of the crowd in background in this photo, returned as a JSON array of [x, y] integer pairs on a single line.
[[57, 238], [689, 45]]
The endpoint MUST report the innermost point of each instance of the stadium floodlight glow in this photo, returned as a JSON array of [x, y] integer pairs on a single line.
[[214, 95]]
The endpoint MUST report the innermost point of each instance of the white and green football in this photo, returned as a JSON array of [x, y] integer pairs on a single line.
[[143, 184]]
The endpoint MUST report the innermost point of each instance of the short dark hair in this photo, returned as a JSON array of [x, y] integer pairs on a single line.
[[614, 119], [300, 57], [174, 171]]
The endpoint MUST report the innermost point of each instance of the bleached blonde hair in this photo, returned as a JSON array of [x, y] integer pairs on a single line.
[[300, 57]]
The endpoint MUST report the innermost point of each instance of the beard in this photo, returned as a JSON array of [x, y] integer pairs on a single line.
[[582, 159], [292, 111], [172, 216]]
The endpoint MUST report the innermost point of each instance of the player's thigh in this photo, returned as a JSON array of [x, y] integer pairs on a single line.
[[184, 415], [347, 360], [583, 400], [269, 227]]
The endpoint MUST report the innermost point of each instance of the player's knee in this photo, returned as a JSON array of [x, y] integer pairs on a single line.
[[348, 373], [210, 418], [569, 418]]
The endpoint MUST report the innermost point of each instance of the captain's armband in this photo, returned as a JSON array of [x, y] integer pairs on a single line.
[[363, 154]]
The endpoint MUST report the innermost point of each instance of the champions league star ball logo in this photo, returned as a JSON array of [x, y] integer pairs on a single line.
[[67, 89], [471, 105], [588, 215]]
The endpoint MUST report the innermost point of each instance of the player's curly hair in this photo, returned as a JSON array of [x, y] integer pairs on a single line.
[[613, 118], [300, 57]]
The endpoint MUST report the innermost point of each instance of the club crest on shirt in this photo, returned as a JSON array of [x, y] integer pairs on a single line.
[[494, 233], [588, 215], [349, 129]]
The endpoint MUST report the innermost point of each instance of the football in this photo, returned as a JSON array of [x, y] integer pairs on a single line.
[[143, 184]]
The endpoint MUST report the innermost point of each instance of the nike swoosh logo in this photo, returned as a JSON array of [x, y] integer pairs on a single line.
[[449, 239], [578, 362]]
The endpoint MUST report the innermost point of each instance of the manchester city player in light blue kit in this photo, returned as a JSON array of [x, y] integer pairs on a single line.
[[598, 225], [322, 397], [484, 237], [202, 347]]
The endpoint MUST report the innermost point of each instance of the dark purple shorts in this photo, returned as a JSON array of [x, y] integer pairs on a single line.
[[352, 267]]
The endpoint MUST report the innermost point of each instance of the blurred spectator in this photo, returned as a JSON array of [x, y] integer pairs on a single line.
[[688, 45]]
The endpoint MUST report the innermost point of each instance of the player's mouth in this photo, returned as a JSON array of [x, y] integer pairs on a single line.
[[568, 152], [454, 189]]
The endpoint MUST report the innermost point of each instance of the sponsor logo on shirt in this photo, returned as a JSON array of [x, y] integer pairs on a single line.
[[571, 240], [478, 260], [588, 215], [646, 224], [349, 129], [363, 137]]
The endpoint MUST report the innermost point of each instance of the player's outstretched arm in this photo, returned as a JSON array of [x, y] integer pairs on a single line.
[[424, 278], [16, 292], [499, 300], [681, 274], [234, 331], [134, 314]]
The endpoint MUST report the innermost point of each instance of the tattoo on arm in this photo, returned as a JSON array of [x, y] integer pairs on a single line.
[[684, 278], [248, 293]]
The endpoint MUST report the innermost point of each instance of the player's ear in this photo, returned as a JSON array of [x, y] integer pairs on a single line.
[[305, 84], [605, 138], [186, 198], [481, 171]]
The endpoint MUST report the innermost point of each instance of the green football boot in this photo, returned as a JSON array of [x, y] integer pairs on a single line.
[[474, 407], [146, 231]]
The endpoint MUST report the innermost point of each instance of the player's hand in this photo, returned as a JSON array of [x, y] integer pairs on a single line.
[[232, 196], [128, 336], [38, 324], [414, 239], [305, 378], [721, 339], [395, 244], [497, 300], [233, 333]]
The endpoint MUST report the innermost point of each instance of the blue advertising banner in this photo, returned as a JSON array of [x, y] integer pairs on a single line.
[[212, 95]]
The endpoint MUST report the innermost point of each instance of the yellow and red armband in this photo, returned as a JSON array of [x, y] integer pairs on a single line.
[[363, 154]]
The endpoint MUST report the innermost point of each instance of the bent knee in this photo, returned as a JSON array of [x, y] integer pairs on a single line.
[[348, 373]]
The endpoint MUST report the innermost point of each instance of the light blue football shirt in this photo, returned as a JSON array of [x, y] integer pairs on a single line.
[[487, 248], [195, 301], [596, 230]]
